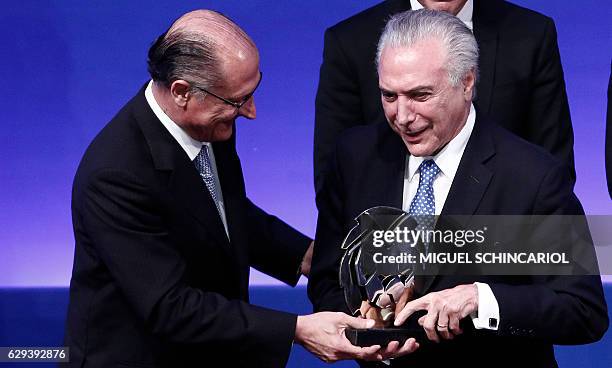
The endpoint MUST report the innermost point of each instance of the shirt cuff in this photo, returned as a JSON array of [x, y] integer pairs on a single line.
[[487, 315]]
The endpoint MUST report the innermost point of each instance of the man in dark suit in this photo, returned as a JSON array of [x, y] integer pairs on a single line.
[[438, 155], [520, 84], [165, 233]]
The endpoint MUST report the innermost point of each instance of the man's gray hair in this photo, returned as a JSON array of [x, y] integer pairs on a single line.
[[185, 55], [407, 28]]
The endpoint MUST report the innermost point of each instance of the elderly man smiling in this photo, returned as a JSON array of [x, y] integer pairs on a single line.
[[437, 155]]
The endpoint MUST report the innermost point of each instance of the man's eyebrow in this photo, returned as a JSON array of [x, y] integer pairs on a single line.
[[238, 98], [242, 97], [421, 88]]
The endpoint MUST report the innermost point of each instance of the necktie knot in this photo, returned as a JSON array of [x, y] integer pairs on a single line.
[[202, 163], [428, 171], [423, 202]]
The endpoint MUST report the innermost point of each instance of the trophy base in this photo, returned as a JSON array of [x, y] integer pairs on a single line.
[[383, 336]]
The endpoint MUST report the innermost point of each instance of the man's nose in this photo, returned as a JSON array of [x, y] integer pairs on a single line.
[[405, 110], [248, 110]]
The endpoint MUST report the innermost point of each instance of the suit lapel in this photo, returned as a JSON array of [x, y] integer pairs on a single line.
[[486, 33], [232, 188], [191, 192], [473, 176], [185, 185]]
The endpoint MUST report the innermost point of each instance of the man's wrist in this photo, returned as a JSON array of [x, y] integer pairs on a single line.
[[299, 330], [486, 315]]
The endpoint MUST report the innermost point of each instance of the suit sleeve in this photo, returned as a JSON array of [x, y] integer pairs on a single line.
[[337, 105], [124, 224], [549, 121], [558, 309], [275, 248], [324, 288]]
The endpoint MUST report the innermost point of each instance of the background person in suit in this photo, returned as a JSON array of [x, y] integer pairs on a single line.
[[438, 155], [520, 84], [165, 233]]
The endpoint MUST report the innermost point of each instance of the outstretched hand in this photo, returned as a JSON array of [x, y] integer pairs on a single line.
[[323, 335]]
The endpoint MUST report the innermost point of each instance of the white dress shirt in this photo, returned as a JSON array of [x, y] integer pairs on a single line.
[[191, 146], [448, 159]]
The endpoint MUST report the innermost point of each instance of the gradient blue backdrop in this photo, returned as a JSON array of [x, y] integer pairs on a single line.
[[67, 67]]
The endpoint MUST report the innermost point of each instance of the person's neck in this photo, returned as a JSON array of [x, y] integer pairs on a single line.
[[450, 7]]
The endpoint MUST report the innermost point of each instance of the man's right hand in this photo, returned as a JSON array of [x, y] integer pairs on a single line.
[[323, 335]]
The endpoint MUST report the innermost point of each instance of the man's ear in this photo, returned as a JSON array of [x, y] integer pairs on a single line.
[[469, 82], [180, 90]]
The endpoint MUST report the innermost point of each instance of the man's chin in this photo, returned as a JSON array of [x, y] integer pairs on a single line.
[[419, 149]]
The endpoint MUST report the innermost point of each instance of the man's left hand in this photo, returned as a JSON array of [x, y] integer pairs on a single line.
[[445, 309]]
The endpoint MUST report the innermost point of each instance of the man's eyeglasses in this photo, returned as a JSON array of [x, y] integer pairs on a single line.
[[236, 105]]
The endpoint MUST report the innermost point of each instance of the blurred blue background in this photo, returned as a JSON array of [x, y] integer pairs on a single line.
[[67, 66]]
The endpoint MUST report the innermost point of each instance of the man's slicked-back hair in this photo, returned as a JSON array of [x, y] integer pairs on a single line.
[[410, 27], [184, 55], [195, 47]]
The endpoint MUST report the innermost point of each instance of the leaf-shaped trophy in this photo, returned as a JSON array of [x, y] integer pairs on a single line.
[[365, 277]]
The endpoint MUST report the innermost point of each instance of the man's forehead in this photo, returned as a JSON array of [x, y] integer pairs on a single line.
[[410, 67], [239, 80], [429, 51]]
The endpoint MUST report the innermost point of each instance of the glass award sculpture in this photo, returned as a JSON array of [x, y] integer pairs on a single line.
[[365, 277]]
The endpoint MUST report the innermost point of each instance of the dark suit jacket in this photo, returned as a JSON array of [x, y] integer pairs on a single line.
[[521, 80], [156, 283], [499, 174]]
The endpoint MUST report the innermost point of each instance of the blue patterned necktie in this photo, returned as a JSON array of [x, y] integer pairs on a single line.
[[423, 206], [204, 167], [423, 210]]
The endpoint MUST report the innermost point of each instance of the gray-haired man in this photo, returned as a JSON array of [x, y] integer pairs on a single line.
[[436, 153]]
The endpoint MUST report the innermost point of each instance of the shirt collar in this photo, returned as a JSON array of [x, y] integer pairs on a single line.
[[465, 14], [191, 146], [449, 157]]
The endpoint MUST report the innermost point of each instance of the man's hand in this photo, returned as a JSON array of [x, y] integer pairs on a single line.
[[323, 335], [385, 316], [372, 313], [445, 309], [307, 260]]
